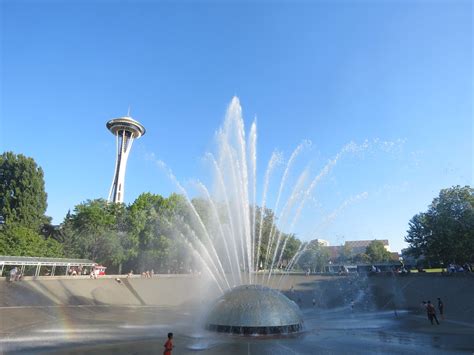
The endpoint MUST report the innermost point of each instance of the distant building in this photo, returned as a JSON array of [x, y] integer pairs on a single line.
[[359, 246], [352, 248]]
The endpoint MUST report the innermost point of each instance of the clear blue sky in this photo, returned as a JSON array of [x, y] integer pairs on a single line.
[[328, 71]]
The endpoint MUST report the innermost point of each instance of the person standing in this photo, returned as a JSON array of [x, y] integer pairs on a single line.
[[169, 345], [441, 308], [431, 311]]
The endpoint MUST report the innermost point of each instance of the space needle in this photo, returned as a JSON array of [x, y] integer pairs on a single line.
[[125, 129]]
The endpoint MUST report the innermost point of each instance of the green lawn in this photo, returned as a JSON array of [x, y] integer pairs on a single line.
[[430, 270]]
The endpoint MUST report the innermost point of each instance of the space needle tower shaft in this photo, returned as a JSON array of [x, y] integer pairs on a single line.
[[126, 130]]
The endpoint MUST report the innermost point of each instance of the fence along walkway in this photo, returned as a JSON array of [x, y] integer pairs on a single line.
[[23, 261]]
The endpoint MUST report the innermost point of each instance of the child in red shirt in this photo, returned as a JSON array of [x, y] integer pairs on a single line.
[[168, 345]]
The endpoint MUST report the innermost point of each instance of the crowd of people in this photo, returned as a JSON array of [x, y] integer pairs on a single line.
[[452, 268], [77, 270], [145, 274], [16, 274]]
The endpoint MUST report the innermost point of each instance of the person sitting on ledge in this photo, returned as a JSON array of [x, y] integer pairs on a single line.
[[13, 273]]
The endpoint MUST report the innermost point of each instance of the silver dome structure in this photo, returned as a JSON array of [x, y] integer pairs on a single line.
[[254, 309]]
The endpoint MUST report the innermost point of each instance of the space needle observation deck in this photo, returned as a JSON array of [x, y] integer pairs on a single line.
[[126, 130]]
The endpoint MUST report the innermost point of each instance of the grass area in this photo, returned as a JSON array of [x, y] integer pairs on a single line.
[[429, 270]]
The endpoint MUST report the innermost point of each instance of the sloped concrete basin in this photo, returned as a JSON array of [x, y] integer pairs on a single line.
[[254, 309]]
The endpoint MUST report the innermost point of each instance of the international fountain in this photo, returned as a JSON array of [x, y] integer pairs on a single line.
[[249, 304], [229, 243]]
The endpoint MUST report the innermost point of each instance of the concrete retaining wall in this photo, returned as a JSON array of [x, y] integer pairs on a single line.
[[379, 291], [407, 292], [158, 291]]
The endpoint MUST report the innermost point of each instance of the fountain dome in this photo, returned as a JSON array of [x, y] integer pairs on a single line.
[[254, 309]]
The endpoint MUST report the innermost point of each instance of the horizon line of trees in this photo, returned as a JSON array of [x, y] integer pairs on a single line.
[[144, 235]]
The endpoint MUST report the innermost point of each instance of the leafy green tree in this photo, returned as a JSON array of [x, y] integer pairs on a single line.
[[362, 258], [346, 255], [266, 228], [22, 208], [315, 257], [22, 241], [291, 248], [445, 233], [95, 230], [49, 230], [127, 247], [376, 252], [204, 211], [22, 193], [154, 232], [154, 223], [290, 243]]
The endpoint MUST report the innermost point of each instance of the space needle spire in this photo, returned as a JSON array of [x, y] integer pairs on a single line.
[[125, 129]]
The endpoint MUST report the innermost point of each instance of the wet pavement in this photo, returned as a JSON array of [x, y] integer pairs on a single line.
[[143, 329]]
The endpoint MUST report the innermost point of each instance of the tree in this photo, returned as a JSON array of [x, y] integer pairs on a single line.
[[203, 209], [418, 235], [22, 241], [22, 193], [315, 257], [376, 252], [445, 233], [263, 232], [346, 254], [22, 209], [95, 230], [362, 258], [292, 246], [155, 224]]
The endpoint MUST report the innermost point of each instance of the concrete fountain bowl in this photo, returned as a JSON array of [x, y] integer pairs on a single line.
[[254, 310]]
